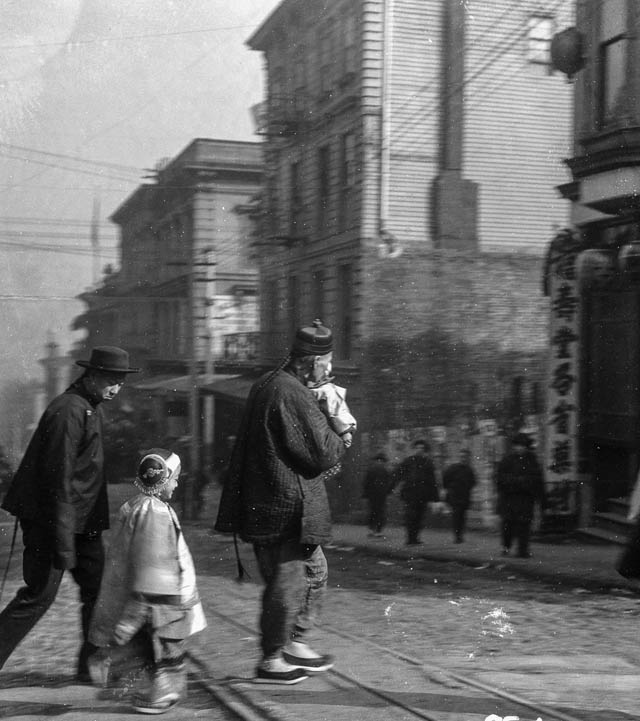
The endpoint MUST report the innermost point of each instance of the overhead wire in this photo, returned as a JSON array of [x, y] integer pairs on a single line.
[[57, 166], [419, 117], [75, 158], [67, 222], [114, 38], [434, 82]]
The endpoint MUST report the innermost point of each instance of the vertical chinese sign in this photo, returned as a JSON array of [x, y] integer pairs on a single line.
[[560, 444]]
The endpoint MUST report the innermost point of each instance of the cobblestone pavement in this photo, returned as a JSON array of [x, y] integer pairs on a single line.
[[559, 643]]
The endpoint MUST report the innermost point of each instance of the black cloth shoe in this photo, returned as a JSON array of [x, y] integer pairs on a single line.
[[287, 678], [312, 665]]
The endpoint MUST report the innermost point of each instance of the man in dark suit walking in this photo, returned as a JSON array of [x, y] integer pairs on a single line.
[[59, 497]]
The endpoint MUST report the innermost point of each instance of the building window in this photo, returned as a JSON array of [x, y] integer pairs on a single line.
[[295, 201], [326, 57], [323, 186], [349, 47], [317, 293], [347, 180], [299, 70], [270, 314], [613, 51], [344, 312], [540, 29]]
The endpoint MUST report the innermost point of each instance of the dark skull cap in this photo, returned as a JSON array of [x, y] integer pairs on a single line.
[[316, 339]]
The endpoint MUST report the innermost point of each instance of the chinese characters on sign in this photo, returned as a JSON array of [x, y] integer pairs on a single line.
[[560, 436]]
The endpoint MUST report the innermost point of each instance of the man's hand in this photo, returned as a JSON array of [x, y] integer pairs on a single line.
[[347, 439]]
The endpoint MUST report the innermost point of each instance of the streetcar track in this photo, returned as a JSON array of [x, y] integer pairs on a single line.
[[436, 674]]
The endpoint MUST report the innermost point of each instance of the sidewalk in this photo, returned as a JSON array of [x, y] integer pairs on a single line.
[[564, 561]]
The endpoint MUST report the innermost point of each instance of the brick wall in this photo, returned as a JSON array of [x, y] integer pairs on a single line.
[[444, 335], [444, 330]]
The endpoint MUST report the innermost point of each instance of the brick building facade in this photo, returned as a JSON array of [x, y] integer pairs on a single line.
[[412, 149]]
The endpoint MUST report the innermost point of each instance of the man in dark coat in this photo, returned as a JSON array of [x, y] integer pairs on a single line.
[[520, 485], [59, 497], [377, 486], [457, 480], [417, 474], [274, 497]]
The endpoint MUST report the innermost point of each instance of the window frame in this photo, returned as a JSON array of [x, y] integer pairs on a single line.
[[539, 45], [324, 186]]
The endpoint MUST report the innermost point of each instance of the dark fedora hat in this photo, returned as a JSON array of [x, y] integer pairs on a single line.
[[109, 359]]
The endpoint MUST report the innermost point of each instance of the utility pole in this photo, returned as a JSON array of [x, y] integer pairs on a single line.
[[198, 318]]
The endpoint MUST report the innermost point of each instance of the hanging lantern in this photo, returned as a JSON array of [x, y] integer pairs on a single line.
[[595, 269], [567, 52]]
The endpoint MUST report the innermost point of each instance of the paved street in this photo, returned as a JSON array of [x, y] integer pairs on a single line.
[[564, 638]]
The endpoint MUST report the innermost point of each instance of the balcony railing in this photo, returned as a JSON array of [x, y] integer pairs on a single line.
[[281, 114]]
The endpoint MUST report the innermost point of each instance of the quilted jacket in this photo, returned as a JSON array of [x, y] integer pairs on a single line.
[[273, 491]]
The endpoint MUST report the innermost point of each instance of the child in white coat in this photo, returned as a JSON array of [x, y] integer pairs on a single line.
[[149, 586]]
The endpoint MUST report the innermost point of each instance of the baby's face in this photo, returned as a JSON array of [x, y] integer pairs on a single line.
[[321, 367]]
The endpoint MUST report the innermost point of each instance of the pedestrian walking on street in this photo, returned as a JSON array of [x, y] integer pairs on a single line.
[[148, 587], [417, 475], [520, 484], [274, 497], [377, 486], [457, 480], [59, 496]]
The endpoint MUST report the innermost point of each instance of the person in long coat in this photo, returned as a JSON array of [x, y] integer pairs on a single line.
[[417, 476], [458, 481], [520, 484], [274, 497], [59, 496], [377, 486]]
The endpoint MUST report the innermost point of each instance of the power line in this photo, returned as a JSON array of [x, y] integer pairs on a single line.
[[421, 116], [109, 253], [22, 185], [65, 168], [69, 222], [13, 233], [111, 38], [429, 85], [40, 297], [76, 158]]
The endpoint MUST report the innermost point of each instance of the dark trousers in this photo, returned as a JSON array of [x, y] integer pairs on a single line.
[[296, 579], [458, 521], [517, 529], [377, 513], [414, 517], [42, 582]]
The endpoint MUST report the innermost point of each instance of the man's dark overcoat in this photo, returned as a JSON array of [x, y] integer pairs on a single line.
[[458, 480], [60, 482], [417, 474], [273, 491], [520, 483]]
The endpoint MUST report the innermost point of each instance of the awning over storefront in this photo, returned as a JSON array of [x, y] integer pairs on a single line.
[[233, 388]]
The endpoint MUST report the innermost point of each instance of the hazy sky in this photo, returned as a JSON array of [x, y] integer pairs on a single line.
[[92, 93]]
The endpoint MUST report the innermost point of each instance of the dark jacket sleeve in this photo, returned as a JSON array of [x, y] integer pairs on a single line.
[[307, 439], [60, 451]]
